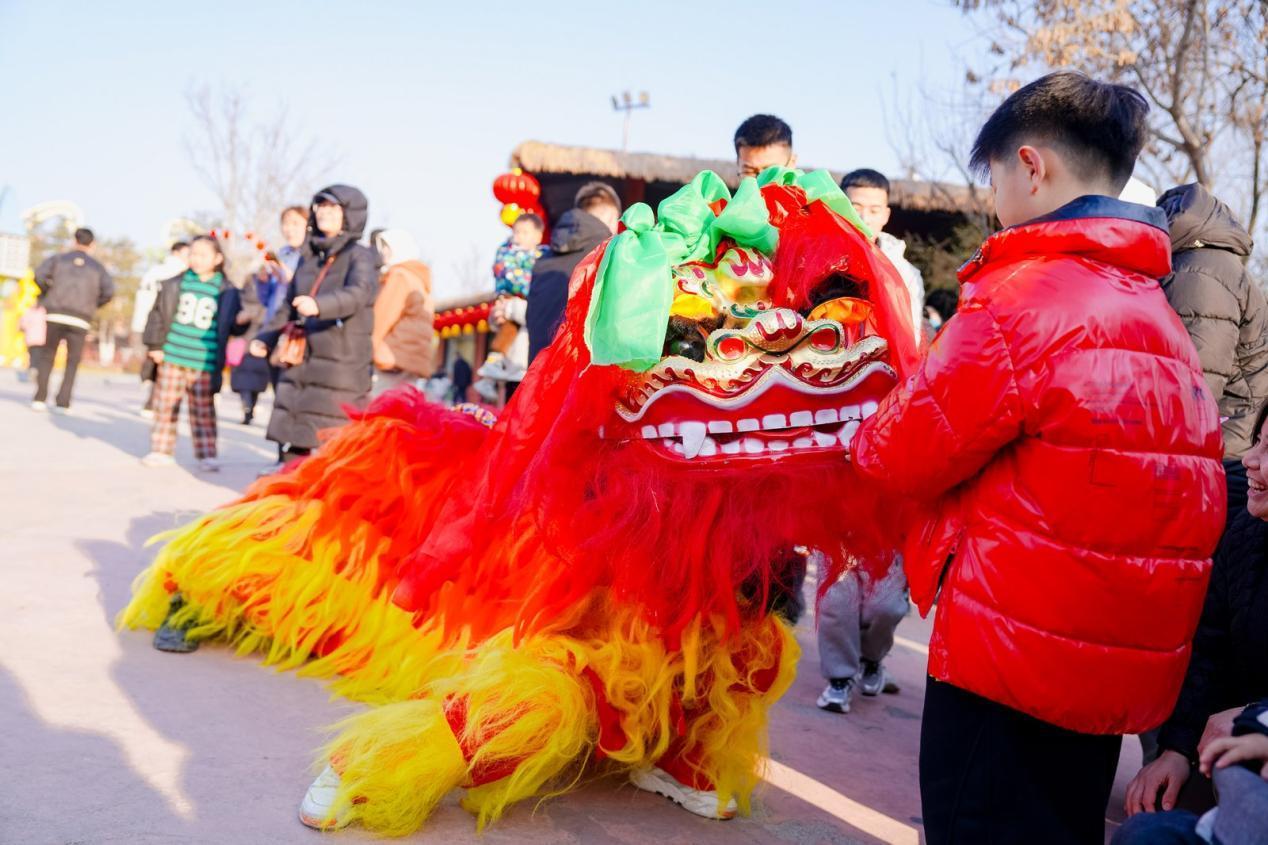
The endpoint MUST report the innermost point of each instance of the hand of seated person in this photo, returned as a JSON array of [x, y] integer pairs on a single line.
[[1221, 753]]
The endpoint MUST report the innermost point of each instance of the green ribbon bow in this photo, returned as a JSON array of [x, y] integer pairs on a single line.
[[633, 291]]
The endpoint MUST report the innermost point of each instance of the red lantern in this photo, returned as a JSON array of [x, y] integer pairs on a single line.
[[518, 187]]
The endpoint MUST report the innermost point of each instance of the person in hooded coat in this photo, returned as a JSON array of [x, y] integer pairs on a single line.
[[579, 230], [1225, 313], [338, 321]]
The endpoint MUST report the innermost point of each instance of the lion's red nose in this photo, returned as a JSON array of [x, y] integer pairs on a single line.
[[778, 328]]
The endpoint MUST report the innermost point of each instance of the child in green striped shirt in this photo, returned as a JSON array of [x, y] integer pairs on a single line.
[[187, 333]]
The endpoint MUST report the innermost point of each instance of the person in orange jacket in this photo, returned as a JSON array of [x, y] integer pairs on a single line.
[[404, 315], [1063, 438]]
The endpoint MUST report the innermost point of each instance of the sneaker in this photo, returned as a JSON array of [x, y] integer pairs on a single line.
[[698, 801], [39, 407], [147, 413], [876, 680], [158, 459], [60, 410], [170, 638], [836, 699], [492, 367], [209, 465], [315, 809]]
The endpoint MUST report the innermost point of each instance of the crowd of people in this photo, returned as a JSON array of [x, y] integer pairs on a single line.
[[1097, 346]]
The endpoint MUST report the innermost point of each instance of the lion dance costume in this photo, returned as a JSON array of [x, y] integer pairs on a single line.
[[595, 579]]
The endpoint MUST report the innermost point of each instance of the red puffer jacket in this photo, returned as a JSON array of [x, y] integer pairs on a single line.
[[1063, 430]]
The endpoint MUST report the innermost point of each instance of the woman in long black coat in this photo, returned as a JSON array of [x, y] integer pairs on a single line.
[[338, 321]]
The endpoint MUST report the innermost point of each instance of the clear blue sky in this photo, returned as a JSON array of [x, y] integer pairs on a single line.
[[423, 102]]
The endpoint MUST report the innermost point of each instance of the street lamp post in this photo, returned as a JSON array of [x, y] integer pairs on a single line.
[[627, 103]]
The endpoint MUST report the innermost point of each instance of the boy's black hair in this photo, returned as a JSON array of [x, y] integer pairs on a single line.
[[84, 236], [178, 246], [865, 177], [1099, 126], [596, 193], [763, 130], [943, 300], [533, 219]]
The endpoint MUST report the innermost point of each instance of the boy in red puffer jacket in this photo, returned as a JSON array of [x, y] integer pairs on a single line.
[[1063, 436]]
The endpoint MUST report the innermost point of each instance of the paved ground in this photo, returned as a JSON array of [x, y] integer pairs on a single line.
[[103, 739]]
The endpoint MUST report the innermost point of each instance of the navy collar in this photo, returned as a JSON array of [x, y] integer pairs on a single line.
[[1097, 205]]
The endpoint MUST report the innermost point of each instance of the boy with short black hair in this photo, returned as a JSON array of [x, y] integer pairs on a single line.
[[1067, 450], [763, 141], [868, 192]]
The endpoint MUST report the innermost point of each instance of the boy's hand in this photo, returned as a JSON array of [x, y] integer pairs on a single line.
[[1166, 774], [1218, 726], [1222, 753], [305, 305], [498, 315], [156, 355], [258, 349]]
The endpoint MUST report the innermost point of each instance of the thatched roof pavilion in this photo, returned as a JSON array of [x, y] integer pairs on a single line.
[[925, 208]]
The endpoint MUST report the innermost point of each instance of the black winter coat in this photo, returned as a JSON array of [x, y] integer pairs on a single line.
[[575, 235], [228, 306], [1229, 666], [74, 284], [253, 375], [311, 396], [1220, 305]]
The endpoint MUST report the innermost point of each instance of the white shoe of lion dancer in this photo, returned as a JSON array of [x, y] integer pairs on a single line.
[[314, 810], [698, 801]]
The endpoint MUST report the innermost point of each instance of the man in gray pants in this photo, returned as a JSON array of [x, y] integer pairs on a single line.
[[856, 622]]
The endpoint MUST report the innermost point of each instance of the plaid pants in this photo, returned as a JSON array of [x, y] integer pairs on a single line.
[[172, 384]]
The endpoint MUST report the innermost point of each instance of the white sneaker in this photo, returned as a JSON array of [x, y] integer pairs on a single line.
[[698, 801], [60, 411], [314, 810], [39, 407], [209, 465], [147, 413], [837, 699], [158, 459]]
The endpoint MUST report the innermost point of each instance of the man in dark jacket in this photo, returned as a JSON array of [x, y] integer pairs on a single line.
[[591, 221], [73, 286], [338, 319], [1225, 313]]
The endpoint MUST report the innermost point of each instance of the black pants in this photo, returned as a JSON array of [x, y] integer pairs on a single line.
[[74, 338], [991, 775]]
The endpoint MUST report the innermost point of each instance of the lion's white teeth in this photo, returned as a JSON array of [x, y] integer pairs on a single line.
[[720, 427], [869, 408], [826, 416], [851, 412], [753, 446], [774, 421], [847, 432], [800, 418], [748, 425], [649, 432], [667, 429], [808, 442], [732, 448], [778, 445], [823, 439], [693, 437]]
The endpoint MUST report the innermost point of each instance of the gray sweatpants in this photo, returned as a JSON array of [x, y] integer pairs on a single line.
[[857, 618]]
